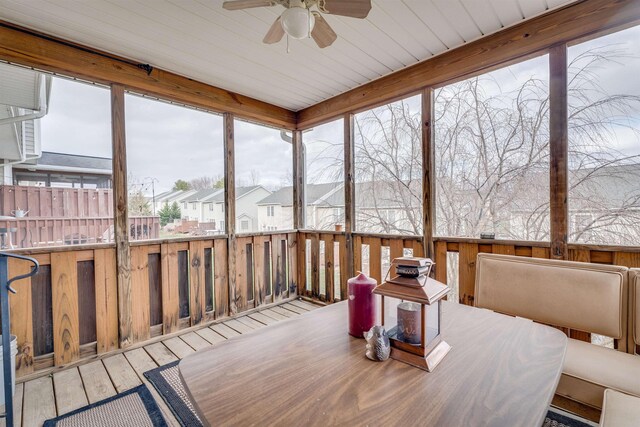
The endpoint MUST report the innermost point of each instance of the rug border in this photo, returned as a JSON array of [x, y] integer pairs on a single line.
[[155, 414], [147, 375]]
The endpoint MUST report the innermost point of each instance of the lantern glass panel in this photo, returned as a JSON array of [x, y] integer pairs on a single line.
[[391, 312], [432, 321]]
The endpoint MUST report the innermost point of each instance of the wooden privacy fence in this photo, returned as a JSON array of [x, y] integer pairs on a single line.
[[34, 232], [324, 256], [46, 202], [69, 310]]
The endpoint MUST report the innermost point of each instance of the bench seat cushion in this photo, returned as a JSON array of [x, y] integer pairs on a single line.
[[620, 410], [590, 369]]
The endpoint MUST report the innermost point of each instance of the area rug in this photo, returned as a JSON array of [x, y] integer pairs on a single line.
[[556, 419], [132, 408], [166, 380]]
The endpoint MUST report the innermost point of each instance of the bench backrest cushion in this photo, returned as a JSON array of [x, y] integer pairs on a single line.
[[582, 296], [634, 318]]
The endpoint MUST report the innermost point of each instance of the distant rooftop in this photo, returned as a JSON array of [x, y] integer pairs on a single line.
[[62, 161]]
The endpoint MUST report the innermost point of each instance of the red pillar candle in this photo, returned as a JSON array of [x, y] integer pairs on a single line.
[[362, 304]]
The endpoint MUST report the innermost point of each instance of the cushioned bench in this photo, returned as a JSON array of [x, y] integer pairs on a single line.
[[634, 309], [620, 410], [580, 296]]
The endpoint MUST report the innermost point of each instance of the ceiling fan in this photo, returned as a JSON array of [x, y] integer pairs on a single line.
[[299, 21]]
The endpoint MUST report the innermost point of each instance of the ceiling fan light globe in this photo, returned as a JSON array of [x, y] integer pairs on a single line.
[[297, 22]]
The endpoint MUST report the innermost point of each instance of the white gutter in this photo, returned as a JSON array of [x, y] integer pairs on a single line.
[[43, 103]]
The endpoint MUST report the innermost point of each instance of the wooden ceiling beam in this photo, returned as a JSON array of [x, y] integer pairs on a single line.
[[561, 26], [32, 49]]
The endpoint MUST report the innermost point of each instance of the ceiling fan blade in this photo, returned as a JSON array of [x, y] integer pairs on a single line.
[[322, 33], [275, 33], [246, 4], [352, 8]]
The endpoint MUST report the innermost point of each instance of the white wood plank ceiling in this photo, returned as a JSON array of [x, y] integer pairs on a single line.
[[200, 40]]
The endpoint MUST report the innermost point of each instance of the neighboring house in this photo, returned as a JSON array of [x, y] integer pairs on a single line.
[[207, 207], [325, 208], [199, 206], [62, 170], [247, 199]]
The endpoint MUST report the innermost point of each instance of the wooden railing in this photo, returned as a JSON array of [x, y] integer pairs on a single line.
[[324, 256], [69, 311]]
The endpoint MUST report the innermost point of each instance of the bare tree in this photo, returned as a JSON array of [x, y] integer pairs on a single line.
[[206, 182], [492, 160]]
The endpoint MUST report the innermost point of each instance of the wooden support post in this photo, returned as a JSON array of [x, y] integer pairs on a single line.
[[428, 182], [558, 141], [230, 207], [349, 191], [121, 213], [299, 208]]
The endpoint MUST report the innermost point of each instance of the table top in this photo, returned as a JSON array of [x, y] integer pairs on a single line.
[[308, 371]]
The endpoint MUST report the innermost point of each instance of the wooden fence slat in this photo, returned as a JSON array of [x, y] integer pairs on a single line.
[[220, 281], [468, 252], [537, 252], [106, 300], [418, 248], [357, 254], [197, 290], [21, 312], [628, 259], [170, 292], [302, 264], [66, 322], [441, 262], [279, 275], [580, 255], [292, 265], [277, 281], [396, 248], [375, 258], [241, 274], [140, 319], [503, 249], [329, 272], [344, 274], [260, 281], [315, 266]]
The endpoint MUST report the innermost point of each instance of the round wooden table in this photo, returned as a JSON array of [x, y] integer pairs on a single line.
[[501, 371]]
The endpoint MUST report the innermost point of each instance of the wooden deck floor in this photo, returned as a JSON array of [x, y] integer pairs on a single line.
[[64, 391]]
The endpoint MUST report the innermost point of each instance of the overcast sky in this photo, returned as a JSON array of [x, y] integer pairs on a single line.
[[167, 142]]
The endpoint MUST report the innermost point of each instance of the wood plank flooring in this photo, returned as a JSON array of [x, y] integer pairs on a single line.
[[47, 397]]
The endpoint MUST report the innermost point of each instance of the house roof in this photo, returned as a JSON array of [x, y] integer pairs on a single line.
[[204, 195], [213, 195], [69, 162], [314, 194], [388, 194], [240, 192], [605, 187], [396, 34]]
